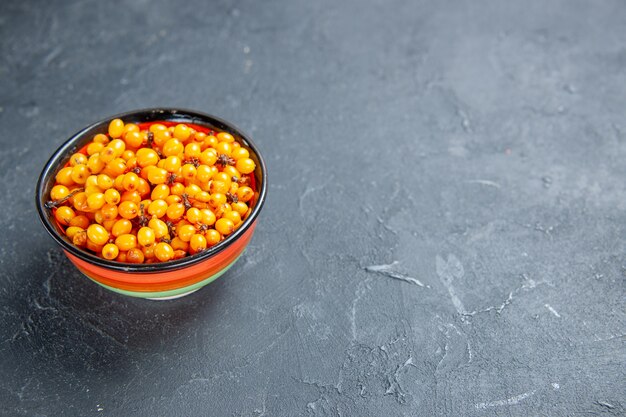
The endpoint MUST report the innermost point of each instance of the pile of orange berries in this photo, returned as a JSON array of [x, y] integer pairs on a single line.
[[153, 193]]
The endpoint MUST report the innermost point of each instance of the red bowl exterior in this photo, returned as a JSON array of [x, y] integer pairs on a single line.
[[170, 280]]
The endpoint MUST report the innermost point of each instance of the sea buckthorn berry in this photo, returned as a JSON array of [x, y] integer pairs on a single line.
[[94, 148], [177, 189], [80, 221], [157, 127], [173, 198], [220, 210], [217, 199], [121, 227], [131, 196], [175, 211], [58, 192], [126, 241], [223, 176], [161, 137], [110, 251], [234, 216], [163, 252], [231, 171], [112, 196], [97, 216], [109, 211], [116, 128], [244, 194], [95, 164], [182, 132], [204, 173], [95, 201], [240, 207], [80, 239], [208, 157], [193, 150], [219, 187], [148, 251], [92, 181], [210, 141], [121, 257], [135, 256], [194, 215], [157, 176], [72, 230], [64, 215], [143, 188], [173, 147], [128, 209], [133, 139], [64, 176], [130, 127], [108, 224], [188, 171], [104, 181], [239, 153], [198, 242], [224, 148], [160, 192], [191, 190], [93, 247], [245, 165], [107, 154], [208, 217], [172, 163], [199, 136], [185, 232], [131, 181], [101, 138], [203, 197], [146, 236], [78, 159], [118, 146], [157, 208], [97, 234], [159, 227], [224, 226], [92, 189], [127, 156], [80, 201], [213, 237], [225, 137], [146, 157], [179, 245]]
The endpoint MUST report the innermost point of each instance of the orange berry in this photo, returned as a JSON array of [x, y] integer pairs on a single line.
[[163, 252], [126, 241], [224, 226], [110, 251], [97, 234], [128, 209], [116, 128]]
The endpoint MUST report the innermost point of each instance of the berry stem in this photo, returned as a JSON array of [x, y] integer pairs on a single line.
[[56, 203]]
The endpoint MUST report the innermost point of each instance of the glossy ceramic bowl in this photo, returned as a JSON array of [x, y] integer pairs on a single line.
[[156, 280]]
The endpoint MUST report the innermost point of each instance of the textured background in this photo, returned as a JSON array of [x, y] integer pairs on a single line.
[[444, 231]]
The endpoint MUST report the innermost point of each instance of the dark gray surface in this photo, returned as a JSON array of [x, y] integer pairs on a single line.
[[478, 148]]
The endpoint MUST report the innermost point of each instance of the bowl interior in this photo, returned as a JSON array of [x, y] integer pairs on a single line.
[[60, 158]]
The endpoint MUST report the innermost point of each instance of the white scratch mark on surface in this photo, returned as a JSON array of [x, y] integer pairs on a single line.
[[555, 386], [508, 401], [552, 310], [447, 272], [387, 270], [484, 182], [360, 291]]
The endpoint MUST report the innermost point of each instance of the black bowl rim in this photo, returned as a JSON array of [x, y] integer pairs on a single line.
[[169, 114]]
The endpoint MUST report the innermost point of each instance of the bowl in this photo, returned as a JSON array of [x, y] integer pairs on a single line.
[[158, 281]]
